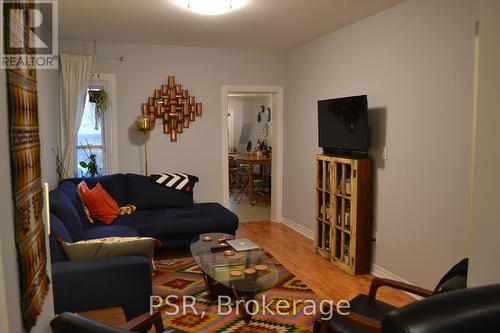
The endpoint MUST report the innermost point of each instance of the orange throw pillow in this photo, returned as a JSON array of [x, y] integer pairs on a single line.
[[101, 205]]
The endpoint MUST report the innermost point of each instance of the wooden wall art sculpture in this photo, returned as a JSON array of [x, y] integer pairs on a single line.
[[174, 105]]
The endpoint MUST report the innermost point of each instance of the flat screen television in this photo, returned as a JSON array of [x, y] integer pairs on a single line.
[[343, 125]]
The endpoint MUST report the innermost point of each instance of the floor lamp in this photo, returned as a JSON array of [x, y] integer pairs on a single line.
[[145, 124]]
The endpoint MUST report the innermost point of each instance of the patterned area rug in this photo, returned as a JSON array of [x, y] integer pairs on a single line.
[[183, 277]]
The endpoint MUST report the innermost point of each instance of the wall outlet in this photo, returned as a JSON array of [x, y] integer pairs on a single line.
[[385, 152]]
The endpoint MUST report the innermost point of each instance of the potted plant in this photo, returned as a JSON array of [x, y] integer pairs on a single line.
[[91, 164]]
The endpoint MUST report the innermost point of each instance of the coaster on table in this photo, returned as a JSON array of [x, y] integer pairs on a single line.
[[261, 268], [250, 271], [236, 273], [207, 239]]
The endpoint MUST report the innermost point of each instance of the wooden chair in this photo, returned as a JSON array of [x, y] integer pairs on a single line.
[[461, 311], [69, 322], [367, 313], [144, 322]]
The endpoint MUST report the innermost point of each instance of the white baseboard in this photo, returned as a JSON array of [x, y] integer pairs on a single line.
[[298, 227], [384, 273]]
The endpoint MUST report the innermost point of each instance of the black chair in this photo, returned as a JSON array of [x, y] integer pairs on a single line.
[[233, 174], [71, 323], [367, 313], [473, 310]]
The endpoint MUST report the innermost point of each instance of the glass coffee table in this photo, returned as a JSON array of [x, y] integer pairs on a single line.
[[239, 274]]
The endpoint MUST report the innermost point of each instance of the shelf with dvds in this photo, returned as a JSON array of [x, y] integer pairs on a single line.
[[323, 209], [343, 212]]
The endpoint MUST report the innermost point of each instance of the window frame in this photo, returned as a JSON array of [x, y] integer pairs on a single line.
[[108, 82]]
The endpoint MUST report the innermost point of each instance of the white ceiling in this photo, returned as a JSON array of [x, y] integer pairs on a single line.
[[260, 24]]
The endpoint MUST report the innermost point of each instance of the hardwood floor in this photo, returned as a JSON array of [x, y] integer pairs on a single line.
[[296, 253]]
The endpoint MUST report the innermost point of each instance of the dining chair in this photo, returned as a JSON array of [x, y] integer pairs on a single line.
[[233, 174], [242, 183]]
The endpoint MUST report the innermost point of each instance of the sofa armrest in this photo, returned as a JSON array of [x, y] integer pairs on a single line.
[[95, 284]]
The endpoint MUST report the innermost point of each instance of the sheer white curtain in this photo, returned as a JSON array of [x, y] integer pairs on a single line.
[[75, 78]]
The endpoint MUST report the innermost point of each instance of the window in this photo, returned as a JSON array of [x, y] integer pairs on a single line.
[[90, 140], [96, 133]]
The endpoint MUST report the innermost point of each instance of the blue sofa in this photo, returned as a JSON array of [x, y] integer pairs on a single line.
[[162, 213]]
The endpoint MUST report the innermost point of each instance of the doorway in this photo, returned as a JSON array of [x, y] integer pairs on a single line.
[[252, 152]]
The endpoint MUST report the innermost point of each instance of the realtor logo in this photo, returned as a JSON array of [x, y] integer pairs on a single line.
[[29, 34]]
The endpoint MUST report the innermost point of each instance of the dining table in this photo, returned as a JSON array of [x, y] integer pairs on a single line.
[[252, 160]]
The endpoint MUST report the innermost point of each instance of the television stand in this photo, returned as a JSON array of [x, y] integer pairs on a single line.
[[355, 154]]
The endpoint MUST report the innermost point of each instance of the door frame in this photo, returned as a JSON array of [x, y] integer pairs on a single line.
[[277, 133]]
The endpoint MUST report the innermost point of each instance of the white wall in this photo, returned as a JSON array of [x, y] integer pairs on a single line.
[[235, 108], [201, 70], [485, 220], [246, 109], [251, 110], [48, 116], [10, 308], [415, 63]]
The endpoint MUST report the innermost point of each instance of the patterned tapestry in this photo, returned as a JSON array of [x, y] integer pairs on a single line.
[[26, 174], [27, 192]]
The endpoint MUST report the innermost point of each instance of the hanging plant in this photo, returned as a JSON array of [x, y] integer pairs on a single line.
[[101, 100]]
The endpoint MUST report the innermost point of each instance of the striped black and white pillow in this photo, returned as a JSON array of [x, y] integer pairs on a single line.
[[177, 181]]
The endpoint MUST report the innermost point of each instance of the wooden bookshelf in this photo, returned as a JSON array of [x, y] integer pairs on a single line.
[[343, 212]]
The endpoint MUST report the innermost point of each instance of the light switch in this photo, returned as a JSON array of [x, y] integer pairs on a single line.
[[385, 152]]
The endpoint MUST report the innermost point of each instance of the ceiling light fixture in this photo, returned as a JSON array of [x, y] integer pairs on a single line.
[[211, 7]]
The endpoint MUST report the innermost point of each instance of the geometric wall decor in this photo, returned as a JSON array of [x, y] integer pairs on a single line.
[[174, 105]]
